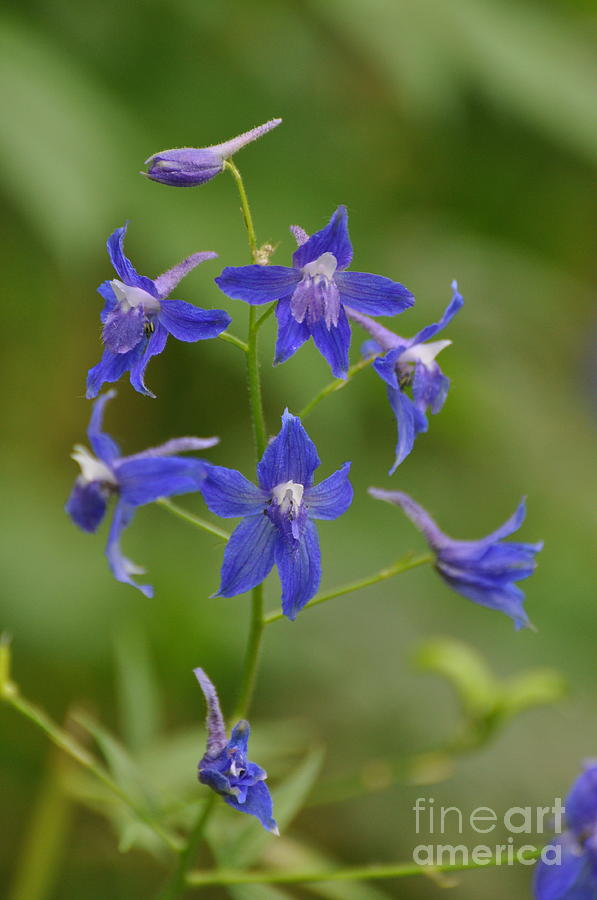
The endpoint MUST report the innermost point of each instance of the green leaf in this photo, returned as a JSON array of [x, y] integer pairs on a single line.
[[137, 687], [537, 687], [466, 671]]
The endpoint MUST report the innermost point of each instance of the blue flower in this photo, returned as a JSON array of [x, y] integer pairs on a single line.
[[137, 318], [190, 166], [483, 570], [313, 293], [410, 362], [225, 767], [277, 526], [567, 869], [132, 480]]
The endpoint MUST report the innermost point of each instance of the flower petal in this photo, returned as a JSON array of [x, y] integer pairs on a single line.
[[291, 334], [191, 323], [166, 282], [374, 295], [510, 525], [581, 802], [431, 330], [216, 730], [110, 368], [123, 331], [299, 567], [291, 456], [332, 239], [155, 346], [122, 568], [430, 387], [104, 447], [385, 367], [258, 803], [87, 504], [258, 284], [569, 869], [411, 421], [494, 594], [333, 343], [331, 497], [229, 494], [124, 267], [146, 479], [106, 291], [248, 557]]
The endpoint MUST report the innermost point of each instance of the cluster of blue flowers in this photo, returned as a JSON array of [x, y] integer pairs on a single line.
[[316, 297]]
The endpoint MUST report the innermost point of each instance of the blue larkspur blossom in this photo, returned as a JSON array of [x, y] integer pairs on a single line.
[[225, 767], [133, 480], [277, 515], [313, 294], [410, 363], [567, 869], [483, 570], [138, 317], [191, 166]]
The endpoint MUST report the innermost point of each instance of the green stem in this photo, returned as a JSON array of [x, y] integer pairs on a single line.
[[69, 745], [245, 207], [336, 385], [353, 873], [254, 383], [232, 339], [251, 655], [185, 860], [264, 316], [194, 520], [402, 565]]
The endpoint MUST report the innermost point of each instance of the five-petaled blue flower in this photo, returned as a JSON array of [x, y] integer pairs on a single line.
[[137, 318], [225, 767], [133, 480], [313, 293], [410, 362], [567, 869], [277, 526], [191, 166], [483, 570]]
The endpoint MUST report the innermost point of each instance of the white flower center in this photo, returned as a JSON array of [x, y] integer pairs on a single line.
[[92, 468], [130, 297], [288, 496], [423, 353], [325, 265]]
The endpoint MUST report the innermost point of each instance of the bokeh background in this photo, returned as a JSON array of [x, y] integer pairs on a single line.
[[462, 136]]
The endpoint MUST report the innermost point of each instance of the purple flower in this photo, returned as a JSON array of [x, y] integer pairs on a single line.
[[313, 293], [132, 480], [410, 363], [190, 166], [225, 767], [277, 526], [567, 869], [137, 318], [483, 570]]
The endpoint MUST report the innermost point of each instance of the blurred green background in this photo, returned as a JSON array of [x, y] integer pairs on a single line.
[[462, 136]]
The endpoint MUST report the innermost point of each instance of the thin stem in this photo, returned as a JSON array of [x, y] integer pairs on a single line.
[[264, 316], [336, 385], [353, 873], [69, 745], [254, 384], [402, 565], [252, 654], [232, 339], [245, 207], [185, 860], [193, 520]]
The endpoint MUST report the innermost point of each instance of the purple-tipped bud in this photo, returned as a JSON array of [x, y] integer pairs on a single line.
[[190, 166]]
